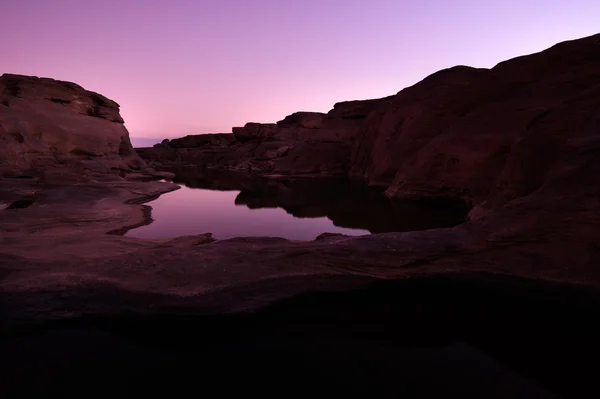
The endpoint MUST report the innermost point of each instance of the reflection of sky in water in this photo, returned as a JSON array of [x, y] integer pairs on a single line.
[[195, 211]]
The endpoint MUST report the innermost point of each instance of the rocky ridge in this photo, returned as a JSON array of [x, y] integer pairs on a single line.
[[302, 144]]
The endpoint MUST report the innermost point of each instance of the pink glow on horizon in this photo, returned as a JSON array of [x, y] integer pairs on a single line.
[[178, 67]]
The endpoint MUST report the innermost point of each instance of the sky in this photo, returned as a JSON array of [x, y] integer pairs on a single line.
[[181, 67]]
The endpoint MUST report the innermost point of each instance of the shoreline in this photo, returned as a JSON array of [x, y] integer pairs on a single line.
[[146, 212]]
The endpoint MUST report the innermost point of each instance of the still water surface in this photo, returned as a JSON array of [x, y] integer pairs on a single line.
[[232, 206], [190, 211]]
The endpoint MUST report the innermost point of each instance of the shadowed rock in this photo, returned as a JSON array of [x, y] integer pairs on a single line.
[[303, 143], [199, 140]]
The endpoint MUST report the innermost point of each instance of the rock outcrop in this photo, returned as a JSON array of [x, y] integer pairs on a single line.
[[199, 140], [45, 122], [488, 136], [303, 143], [254, 131]]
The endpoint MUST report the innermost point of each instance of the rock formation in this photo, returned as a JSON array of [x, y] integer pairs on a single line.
[[482, 136], [195, 141], [516, 144], [45, 122], [487, 136], [519, 145], [304, 143]]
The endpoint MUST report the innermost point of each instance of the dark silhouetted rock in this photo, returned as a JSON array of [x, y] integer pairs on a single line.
[[487, 136], [309, 120], [199, 140], [254, 131], [324, 236], [304, 143]]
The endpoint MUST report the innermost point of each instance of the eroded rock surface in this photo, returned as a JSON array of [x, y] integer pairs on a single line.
[[45, 123], [488, 136]]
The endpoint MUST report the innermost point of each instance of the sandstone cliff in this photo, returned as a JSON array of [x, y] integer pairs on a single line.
[[45, 122]]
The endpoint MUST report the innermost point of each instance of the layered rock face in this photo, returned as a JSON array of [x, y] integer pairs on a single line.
[[488, 136], [303, 143], [213, 150], [45, 122]]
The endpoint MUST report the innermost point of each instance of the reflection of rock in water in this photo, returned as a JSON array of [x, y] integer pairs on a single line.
[[352, 205], [347, 203], [209, 179]]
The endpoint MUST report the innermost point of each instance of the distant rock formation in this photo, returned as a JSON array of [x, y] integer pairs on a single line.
[[194, 141], [303, 143], [46, 122], [255, 131]]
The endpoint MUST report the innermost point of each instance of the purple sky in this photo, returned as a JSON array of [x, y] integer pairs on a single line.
[[199, 66]]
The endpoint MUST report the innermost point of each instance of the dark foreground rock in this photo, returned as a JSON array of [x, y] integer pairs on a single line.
[[423, 337]]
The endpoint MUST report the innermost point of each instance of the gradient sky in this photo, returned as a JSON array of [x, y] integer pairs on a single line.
[[179, 67]]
